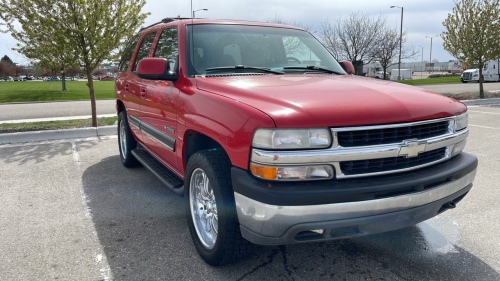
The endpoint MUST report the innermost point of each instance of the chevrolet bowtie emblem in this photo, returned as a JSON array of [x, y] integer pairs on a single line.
[[411, 148]]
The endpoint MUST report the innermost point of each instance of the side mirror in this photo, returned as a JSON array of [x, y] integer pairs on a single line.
[[157, 69], [347, 66]]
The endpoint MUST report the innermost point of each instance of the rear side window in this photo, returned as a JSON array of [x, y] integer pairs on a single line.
[[146, 46], [168, 47], [127, 53]]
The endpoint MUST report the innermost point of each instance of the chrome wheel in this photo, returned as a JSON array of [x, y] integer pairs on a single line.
[[126, 142], [123, 139], [203, 208]]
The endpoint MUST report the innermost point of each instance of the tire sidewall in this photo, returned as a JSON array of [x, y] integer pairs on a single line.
[[225, 207], [128, 160]]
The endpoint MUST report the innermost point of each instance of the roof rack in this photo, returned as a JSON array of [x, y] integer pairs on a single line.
[[165, 20]]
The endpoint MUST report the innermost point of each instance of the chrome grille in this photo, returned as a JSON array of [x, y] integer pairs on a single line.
[[391, 135], [376, 150], [389, 164]]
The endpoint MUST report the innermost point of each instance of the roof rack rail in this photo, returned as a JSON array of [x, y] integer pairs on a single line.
[[165, 20]]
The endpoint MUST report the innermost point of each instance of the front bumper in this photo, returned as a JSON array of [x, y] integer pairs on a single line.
[[272, 215]]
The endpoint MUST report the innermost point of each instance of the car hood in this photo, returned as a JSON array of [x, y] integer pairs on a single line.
[[332, 100]]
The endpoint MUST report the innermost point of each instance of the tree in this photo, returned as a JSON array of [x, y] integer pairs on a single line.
[[472, 33], [7, 60], [90, 30], [8, 68], [387, 48], [353, 38]]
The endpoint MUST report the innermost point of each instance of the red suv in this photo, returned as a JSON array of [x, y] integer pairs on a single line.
[[272, 141]]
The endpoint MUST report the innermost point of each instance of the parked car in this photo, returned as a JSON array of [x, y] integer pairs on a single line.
[[8, 78], [106, 78], [273, 145], [51, 79], [18, 78]]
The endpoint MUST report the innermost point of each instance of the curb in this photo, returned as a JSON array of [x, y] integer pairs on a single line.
[[35, 136]]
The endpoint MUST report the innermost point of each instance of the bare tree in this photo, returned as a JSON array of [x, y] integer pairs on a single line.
[[279, 20], [353, 38], [472, 32], [387, 48], [331, 41]]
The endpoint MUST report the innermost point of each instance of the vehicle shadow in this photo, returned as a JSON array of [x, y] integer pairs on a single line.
[[143, 231], [30, 154]]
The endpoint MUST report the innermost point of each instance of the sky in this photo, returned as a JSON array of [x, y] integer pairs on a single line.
[[420, 18]]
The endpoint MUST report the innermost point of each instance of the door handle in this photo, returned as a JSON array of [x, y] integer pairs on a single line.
[[126, 87], [143, 92]]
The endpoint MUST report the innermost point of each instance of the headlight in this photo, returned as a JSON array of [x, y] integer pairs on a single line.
[[292, 138], [461, 122]]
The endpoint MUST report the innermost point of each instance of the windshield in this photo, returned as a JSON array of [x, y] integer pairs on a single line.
[[218, 48]]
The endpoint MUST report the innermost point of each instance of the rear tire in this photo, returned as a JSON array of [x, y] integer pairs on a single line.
[[211, 211], [126, 142]]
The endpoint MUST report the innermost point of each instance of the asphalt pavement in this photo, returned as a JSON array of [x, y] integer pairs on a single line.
[[71, 211]]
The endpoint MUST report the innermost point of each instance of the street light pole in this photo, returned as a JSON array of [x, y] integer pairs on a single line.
[[400, 42], [430, 53], [197, 11], [422, 61]]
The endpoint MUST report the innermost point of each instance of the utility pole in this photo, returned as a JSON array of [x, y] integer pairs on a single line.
[[400, 42], [421, 62], [430, 53]]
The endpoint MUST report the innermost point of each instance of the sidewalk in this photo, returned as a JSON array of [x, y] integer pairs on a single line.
[[46, 135]]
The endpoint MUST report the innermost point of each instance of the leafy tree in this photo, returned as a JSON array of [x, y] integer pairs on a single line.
[[353, 38], [472, 32], [88, 30]]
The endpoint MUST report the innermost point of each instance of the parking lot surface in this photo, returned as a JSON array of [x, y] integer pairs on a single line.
[[71, 211]]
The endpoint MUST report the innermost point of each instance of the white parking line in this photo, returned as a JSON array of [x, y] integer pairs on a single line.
[[100, 259]]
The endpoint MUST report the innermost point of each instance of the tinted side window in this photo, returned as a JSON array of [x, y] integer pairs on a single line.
[[146, 45], [168, 47], [127, 53]]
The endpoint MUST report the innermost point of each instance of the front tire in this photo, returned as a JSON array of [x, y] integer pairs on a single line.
[[126, 142], [211, 211]]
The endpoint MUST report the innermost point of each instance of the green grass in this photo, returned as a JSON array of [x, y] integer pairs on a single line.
[[53, 125], [431, 81], [40, 91]]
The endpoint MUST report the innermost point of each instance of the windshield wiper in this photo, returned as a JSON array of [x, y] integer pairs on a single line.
[[240, 67], [313, 67]]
